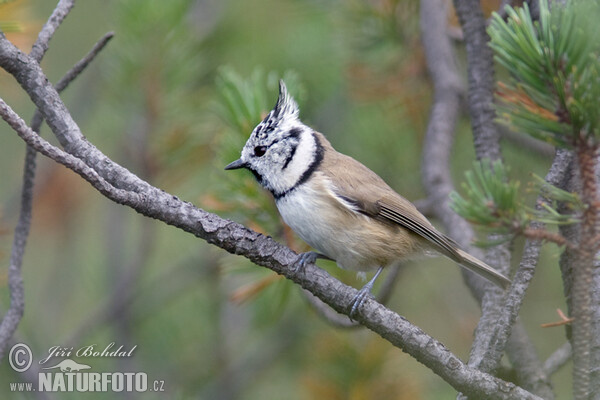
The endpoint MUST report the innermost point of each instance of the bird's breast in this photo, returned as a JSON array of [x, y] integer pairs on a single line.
[[355, 241]]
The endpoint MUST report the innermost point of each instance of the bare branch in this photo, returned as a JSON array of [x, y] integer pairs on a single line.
[[264, 251], [13, 315], [40, 46], [486, 139], [557, 359], [73, 73], [82, 64], [481, 79], [442, 120], [527, 365]]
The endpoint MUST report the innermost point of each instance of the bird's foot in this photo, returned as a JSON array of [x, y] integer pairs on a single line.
[[363, 294], [358, 300], [303, 259]]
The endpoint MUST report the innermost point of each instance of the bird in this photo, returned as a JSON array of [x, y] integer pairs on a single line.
[[339, 206]]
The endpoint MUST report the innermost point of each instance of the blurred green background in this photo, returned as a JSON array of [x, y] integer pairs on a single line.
[[158, 101]]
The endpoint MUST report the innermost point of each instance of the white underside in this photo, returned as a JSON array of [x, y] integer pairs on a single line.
[[305, 210]]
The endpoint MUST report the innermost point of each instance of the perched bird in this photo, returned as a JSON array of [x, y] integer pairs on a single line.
[[337, 205]]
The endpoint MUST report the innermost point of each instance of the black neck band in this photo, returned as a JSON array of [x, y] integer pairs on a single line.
[[309, 171]]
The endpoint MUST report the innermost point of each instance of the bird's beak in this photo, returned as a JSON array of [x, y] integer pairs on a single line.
[[237, 164]]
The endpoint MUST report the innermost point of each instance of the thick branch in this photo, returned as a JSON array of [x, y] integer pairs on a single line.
[[442, 120], [481, 79], [264, 251], [583, 272]]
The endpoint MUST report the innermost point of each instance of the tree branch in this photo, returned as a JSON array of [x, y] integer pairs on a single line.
[[438, 144], [583, 308], [527, 365], [439, 136], [13, 315], [40, 46], [481, 79], [557, 359]]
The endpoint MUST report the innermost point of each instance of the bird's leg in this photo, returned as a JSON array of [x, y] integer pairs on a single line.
[[307, 258], [363, 293]]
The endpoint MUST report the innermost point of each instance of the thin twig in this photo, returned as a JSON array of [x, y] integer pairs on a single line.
[[547, 236], [558, 359], [13, 315], [564, 320], [40, 46]]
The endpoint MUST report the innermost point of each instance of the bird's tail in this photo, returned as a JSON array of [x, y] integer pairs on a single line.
[[480, 268]]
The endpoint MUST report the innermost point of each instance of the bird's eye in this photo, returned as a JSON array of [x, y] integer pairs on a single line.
[[260, 151]]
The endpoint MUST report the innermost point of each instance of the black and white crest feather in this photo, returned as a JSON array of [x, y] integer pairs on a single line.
[[285, 109]]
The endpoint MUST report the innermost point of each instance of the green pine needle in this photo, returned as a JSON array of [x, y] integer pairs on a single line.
[[555, 71]]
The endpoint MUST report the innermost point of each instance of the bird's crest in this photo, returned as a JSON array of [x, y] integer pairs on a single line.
[[286, 109]]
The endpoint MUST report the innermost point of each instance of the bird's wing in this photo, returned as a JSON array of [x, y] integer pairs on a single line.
[[410, 218], [405, 215], [361, 190]]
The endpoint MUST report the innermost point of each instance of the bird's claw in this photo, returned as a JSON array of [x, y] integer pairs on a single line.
[[358, 300], [303, 259]]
